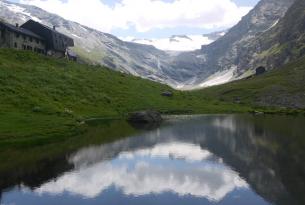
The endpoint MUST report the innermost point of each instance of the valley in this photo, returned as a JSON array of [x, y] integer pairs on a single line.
[[215, 119], [241, 50], [43, 97]]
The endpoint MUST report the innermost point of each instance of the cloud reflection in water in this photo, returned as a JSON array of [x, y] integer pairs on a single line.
[[177, 167]]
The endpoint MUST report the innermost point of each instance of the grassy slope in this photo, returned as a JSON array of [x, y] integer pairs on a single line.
[[43, 97], [281, 90]]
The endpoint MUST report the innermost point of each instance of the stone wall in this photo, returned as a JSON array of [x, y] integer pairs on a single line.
[[4, 35], [21, 42]]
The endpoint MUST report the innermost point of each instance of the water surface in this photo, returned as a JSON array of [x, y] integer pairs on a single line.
[[212, 159]]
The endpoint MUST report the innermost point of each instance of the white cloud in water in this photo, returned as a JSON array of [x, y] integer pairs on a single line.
[[146, 15], [203, 179]]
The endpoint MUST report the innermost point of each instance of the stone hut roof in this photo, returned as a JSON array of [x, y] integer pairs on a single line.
[[20, 30]]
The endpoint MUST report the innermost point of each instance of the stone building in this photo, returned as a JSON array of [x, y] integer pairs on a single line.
[[36, 37], [19, 38], [56, 42]]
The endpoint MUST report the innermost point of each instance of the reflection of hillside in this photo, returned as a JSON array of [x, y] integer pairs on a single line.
[[263, 150], [248, 144], [35, 176], [38, 164]]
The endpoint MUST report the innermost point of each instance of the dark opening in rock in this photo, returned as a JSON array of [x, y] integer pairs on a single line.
[[260, 70]]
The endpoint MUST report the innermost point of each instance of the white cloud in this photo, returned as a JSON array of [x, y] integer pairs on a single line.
[[146, 14]]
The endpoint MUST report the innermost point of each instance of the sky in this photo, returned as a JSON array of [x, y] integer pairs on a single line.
[[150, 18]]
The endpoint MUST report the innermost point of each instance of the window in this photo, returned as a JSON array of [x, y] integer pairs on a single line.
[[17, 35], [31, 39], [29, 48], [37, 41], [2, 34], [15, 45], [24, 37]]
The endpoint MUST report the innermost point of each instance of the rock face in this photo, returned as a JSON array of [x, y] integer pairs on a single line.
[[238, 49], [280, 44], [145, 117]]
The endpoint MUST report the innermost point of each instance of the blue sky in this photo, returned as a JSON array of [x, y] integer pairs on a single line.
[[150, 18]]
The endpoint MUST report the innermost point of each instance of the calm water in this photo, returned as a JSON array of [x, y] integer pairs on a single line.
[[216, 159]]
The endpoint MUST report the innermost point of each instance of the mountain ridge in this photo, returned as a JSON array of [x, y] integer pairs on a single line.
[[227, 59], [96, 47], [224, 55]]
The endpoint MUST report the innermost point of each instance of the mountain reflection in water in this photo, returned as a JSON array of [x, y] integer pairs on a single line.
[[213, 159]]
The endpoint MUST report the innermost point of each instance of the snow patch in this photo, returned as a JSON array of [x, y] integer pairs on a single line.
[[19, 10], [222, 33], [273, 25], [84, 29], [175, 43], [219, 78], [76, 36]]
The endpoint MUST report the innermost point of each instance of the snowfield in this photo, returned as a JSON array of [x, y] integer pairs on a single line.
[[174, 43]]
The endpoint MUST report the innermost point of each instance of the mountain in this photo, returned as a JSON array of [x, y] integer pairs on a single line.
[[231, 56], [97, 47], [280, 44], [180, 42]]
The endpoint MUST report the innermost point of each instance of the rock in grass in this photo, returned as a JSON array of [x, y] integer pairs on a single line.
[[167, 94], [36, 109], [260, 70], [255, 112], [148, 116]]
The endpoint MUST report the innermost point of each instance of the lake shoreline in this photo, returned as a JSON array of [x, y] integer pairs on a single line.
[[67, 127]]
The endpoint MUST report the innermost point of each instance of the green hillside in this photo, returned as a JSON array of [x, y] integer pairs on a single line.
[[43, 97], [280, 90]]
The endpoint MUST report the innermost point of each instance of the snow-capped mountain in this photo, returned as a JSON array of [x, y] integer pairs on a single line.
[[179, 42], [218, 62], [100, 48], [241, 49]]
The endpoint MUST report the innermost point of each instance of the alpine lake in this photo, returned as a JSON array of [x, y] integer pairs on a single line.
[[186, 160]]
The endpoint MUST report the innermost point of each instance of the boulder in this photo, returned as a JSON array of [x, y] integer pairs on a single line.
[[167, 94], [148, 116], [260, 70]]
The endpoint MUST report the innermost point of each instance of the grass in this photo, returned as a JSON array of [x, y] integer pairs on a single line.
[[277, 91], [44, 98]]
